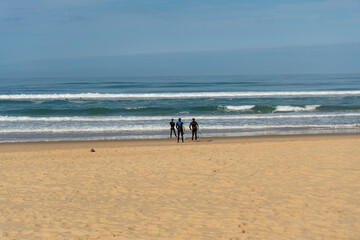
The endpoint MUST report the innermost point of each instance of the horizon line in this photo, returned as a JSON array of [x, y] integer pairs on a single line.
[[187, 52]]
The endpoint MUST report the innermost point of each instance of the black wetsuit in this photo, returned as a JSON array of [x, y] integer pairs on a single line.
[[193, 126], [172, 128], [179, 127]]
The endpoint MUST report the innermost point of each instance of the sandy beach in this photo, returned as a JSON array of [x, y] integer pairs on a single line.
[[274, 187]]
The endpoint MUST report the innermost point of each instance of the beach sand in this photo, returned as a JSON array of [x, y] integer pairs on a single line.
[[276, 187]]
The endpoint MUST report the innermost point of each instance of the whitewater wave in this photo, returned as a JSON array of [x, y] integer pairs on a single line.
[[134, 108], [88, 129], [240, 108], [146, 128], [330, 126], [296, 108], [83, 138], [176, 95], [165, 118]]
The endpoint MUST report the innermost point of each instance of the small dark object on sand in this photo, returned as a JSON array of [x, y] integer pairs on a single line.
[[92, 150]]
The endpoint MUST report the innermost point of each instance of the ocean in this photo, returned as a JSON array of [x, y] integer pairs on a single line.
[[93, 108]]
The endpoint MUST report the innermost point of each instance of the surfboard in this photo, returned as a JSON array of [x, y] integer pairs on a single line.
[[183, 128], [198, 130]]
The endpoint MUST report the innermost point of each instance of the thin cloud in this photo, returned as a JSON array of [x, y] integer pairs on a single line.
[[228, 5], [353, 18], [75, 17], [236, 21], [12, 19], [319, 5]]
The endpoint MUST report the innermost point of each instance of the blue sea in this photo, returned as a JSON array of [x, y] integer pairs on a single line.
[[56, 109]]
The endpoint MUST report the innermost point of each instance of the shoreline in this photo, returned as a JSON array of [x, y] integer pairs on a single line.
[[162, 141]]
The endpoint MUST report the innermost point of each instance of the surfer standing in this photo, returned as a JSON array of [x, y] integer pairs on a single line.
[[172, 128], [180, 130], [194, 128]]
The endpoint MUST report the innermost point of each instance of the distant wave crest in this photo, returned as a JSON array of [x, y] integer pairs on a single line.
[[174, 95], [240, 108], [165, 118], [296, 108]]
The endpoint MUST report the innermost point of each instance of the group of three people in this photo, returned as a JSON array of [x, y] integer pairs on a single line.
[[194, 127]]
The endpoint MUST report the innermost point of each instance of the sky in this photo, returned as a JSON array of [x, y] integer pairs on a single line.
[[59, 30]]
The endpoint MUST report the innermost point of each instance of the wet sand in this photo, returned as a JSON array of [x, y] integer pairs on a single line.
[[273, 187]]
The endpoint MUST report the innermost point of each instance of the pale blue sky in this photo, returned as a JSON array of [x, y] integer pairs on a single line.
[[58, 29]]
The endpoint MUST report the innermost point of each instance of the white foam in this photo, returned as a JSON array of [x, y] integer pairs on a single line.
[[166, 118], [330, 126], [295, 108], [240, 108], [87, 129], [175, 95], [146, 128], [72, 138], [132, 108]]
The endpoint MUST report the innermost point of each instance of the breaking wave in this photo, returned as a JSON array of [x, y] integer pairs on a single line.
[[240, 108], [296, 108], [161, 118], [146, 128], [176, 95]]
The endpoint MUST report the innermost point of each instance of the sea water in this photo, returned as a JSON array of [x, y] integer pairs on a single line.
[[89, 108]]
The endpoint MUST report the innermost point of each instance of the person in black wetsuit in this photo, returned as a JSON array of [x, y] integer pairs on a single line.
[[193, 127], [172, 128], [179, 127]]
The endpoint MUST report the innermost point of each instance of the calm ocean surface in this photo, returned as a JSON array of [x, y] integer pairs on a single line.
[[51, 109]]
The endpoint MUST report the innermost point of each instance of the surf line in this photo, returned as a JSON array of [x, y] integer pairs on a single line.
[[177, 95], [159, 118]]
